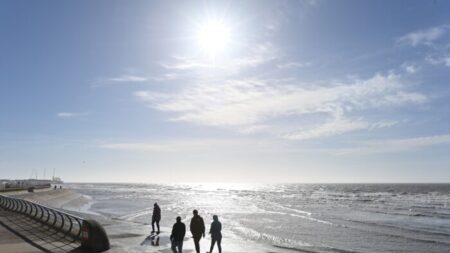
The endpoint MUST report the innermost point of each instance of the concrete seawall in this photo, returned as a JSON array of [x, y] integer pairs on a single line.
[[59, 198], [16, 189]]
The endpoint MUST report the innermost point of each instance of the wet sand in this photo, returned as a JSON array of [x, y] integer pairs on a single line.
[[129, 236]]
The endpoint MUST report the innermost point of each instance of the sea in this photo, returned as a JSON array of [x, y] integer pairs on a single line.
[[294, 217]]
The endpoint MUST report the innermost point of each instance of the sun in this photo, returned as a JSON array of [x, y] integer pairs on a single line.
[[213, 37]]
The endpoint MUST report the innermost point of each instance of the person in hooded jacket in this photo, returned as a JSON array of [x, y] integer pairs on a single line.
[[216, 234]]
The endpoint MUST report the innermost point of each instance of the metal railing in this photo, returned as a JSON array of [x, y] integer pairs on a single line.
[[68, 224], [89, 233]]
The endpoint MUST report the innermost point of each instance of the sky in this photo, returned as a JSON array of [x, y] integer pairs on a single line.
[[225, 91]]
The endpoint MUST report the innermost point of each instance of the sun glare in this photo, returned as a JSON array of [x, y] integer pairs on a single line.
[[213, 37]]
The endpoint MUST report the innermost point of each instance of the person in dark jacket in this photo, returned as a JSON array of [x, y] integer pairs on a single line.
[[156, 217], [177, 236], [197, 229], [216, 234]]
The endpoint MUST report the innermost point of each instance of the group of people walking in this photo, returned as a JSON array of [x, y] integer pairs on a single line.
[[197, 228]]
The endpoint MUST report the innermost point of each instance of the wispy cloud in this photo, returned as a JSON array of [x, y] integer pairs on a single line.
[[185, 63], [187, 145], [424, 37], [410, 67], [245, 95], [397, 145], [383, 124], [157, 147], [67, 115], [290, 65], [253, 57], [438, 60], [447, 61], [246, 104], [128, 78], [335, 127]]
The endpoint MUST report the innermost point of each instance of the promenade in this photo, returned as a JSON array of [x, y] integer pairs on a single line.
[[12, 243], [20, 234]]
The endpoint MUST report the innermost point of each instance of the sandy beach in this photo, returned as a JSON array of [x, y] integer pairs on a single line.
[[124, 235], [276, 219]]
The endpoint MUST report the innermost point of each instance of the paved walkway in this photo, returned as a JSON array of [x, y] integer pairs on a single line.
[[20, 234], [12, 243]]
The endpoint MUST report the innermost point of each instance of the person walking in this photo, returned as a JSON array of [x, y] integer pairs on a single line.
[[216, 234], [156, 217], [197, 227], [177, 236]]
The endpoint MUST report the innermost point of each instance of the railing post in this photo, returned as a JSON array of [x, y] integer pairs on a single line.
[[54, 218], [13, 205], [42, 212], [70, 226], [62, 222], [48, 216]]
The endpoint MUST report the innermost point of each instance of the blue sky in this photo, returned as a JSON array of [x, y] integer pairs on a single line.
[[254, 91]]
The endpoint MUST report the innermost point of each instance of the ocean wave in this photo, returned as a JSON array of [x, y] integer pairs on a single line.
[[266, 214], [414, 230], [268, 238], [135, 215], [302, 217]]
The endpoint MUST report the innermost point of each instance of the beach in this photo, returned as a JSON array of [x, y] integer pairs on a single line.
[[281, 217], [267, 218], [125, 234]]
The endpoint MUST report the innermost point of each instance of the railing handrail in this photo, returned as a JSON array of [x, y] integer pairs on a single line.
[[46, 207], [89, 232], [44, 214]]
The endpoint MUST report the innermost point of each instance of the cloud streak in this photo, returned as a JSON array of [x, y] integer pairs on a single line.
[[194, 145], [397, 145], [246, 94], [293, 65], [424, 37], [156, 147], [254, 56], [128, 78], [68, 115], [120, 79], [247, 104]]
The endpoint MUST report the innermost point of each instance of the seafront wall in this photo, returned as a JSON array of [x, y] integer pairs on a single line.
[[24, 188], [89, 233], [17, 185]]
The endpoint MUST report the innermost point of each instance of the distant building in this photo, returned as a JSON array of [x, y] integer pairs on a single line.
[[6, 184]]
